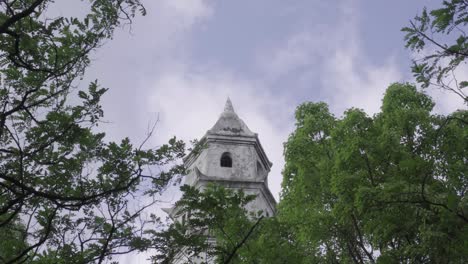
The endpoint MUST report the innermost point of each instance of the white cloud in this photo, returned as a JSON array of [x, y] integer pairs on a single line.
[[295, 53], [170, 22], [191, 10], [125, 64], [332, 57], [350, 84]]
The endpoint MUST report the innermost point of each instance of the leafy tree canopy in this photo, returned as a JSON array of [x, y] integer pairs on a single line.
[[211, 224], [357, 189], [67, 195], [388, 188]]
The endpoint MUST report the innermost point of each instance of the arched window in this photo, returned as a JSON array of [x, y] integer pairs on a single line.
[[226, 160]]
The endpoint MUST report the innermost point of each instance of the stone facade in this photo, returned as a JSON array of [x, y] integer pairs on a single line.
[[232, 157]]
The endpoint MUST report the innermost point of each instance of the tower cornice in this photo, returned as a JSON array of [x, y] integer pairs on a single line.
[[234, 140]]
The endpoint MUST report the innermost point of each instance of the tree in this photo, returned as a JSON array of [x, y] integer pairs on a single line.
[[66, 195], [388, 188], [439, 61], [384, 189], [211, 224], [12, 242]]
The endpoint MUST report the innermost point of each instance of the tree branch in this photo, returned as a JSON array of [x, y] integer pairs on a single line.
[[233, 253], [447, 50], [15, 18]]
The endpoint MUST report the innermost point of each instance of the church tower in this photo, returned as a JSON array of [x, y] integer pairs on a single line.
[[234, 158]]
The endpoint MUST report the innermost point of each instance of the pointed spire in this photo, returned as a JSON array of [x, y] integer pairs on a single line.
[[228, 106], [229, 123]]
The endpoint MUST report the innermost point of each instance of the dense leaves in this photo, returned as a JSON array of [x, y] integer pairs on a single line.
[[389, 188], [211, 224], [67, 195]]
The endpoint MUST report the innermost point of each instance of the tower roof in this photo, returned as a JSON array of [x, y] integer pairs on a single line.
[[230, 124]]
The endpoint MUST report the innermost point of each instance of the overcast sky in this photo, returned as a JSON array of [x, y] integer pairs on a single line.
[[185, 57]]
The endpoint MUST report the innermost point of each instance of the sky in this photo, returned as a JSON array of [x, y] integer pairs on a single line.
[[180, 62]]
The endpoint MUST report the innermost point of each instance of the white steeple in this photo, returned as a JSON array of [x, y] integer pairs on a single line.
[[233, 157], [230, 124], [228, 106]]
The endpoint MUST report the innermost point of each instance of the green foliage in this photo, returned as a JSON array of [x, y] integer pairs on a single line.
[[66, 194], [213, 224], [388, 189], [440, 60], [12, 242], [384, 189], [209, 224], [270, 244]]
